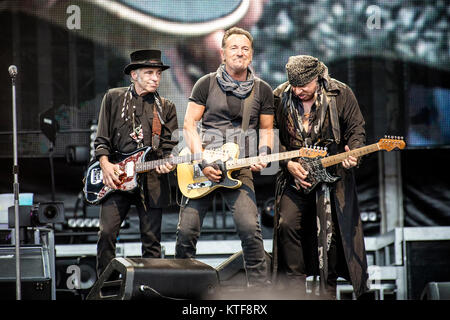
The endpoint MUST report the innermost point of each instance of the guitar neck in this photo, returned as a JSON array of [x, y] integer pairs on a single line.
[[338, 158], [246, 162], [149, 165]]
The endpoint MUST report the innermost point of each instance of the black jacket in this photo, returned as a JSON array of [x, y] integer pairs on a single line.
[[113, 134], [351, 132]]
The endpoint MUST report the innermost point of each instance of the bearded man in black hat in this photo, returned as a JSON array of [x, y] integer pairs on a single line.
[[317, 233], [130, 118]]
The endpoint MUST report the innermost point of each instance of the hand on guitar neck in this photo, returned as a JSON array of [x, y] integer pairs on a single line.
[[166, 167], [257, 167], [351, 161]]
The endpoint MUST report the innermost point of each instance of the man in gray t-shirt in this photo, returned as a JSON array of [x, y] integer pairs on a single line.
[[218, 101]]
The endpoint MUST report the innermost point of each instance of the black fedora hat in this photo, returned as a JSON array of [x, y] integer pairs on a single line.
[[145, 58]]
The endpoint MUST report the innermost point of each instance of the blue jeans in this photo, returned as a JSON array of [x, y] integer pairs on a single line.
[[242, 203]]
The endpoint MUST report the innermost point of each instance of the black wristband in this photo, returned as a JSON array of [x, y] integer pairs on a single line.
[[205, 164]]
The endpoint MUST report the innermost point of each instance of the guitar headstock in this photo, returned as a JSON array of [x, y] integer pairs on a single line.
[[390, 143], [313, 152]]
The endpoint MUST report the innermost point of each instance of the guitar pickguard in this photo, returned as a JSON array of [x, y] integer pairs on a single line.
[[316, 173], [194, 184], [95, 191]]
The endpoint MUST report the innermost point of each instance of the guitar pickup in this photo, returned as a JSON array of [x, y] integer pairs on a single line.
[[129, 169], [198, 185], [96, 176]]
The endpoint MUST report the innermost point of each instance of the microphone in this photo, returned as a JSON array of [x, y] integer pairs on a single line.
[[12, 71]]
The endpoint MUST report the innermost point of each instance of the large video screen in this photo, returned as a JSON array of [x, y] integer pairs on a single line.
[[69, 53], [428, 116]]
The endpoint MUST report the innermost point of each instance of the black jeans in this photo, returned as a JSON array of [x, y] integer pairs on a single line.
[[242, 203], [297, 232], [112, 213]]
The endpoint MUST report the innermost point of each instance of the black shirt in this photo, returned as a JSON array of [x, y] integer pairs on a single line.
[[200, 92]]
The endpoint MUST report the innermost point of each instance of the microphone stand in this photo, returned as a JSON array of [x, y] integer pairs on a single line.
[[16, 188], [52, 170]]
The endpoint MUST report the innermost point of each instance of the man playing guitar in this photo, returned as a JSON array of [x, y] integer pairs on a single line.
[[131, 118]]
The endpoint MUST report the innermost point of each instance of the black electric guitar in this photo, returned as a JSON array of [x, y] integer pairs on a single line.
[[193, 184], [131, 164], [316, 168]]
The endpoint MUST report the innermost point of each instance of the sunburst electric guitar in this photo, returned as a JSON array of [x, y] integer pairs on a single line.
[[131, 165], [193, 184], [316, 168]]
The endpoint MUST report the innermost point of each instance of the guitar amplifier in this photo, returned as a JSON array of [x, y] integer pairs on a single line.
[[150, 278], [34, 270]]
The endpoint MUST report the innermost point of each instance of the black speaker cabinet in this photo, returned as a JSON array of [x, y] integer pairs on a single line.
[[232, 272], [147, 278], [436, 291], [35, 273], [426, 261]]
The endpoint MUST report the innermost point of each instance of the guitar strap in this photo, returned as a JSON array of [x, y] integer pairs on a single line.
[[329, 102], [247, 107], [155, 137], [156, 125]]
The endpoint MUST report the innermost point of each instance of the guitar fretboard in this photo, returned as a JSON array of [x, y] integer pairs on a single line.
[[246, 162], [338, 158], [149, 165]]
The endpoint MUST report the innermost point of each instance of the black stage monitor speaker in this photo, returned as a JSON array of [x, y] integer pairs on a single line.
[[147, 278], [231, 272], [34, 269], [427, 261]]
